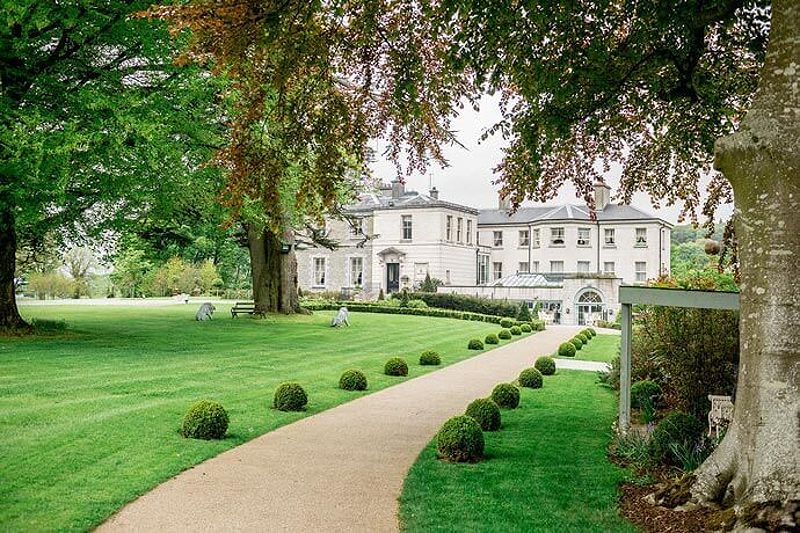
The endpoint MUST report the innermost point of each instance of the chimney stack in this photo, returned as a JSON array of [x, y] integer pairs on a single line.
[[434, 193], [398, 189], [502, 202], [602, 195]]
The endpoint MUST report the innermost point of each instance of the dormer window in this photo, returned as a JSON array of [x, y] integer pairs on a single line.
[[556, 236], [641, 236], [583, 236]]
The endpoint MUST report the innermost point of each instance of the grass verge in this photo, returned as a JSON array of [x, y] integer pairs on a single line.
[[601, 348]]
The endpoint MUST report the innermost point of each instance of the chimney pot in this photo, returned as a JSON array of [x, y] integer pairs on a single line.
[[398, 189], [602, 195], [434, 193]]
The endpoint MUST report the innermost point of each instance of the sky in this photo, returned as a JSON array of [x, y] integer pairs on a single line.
[[469, 178]]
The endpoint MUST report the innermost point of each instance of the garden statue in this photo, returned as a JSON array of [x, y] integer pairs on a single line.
[[341, 318], [205, 312]]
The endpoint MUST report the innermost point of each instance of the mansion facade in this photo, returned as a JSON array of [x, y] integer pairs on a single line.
[[560, 257]]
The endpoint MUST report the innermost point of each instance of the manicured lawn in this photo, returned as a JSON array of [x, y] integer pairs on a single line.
[[602, 348], [546, 469], [90, 419]]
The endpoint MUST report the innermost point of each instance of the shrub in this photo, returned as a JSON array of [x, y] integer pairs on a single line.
[[430, 358], [526, 328], [504, 334], [461, 302], [395, 367], [524, 314], [475, 344], [677, 430], [515, 330], [567, 349], [587, 333], [583, 338], [537, 325], [460, 439], [645, 394], [531, 378], [353, 380], [486, 413], [491, 338], [506, 395], [592, 332], [506, 323], [546, 365], [290, 397], [205, 420], [417, 304], [576, 342]]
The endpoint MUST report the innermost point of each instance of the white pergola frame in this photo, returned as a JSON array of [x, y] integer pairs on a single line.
[[663, 296]]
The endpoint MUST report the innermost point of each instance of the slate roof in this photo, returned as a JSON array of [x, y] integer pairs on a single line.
[[526, 215], [408, 200]]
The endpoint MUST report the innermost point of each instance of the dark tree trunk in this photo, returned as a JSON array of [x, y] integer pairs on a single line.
[[274, 275], [9, 314], [759, 459]]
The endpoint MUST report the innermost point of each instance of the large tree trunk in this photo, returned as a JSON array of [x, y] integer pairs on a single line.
[[759, 459], [9, 314], [274, 275]]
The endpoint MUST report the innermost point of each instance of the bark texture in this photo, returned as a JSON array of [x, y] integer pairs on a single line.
[[274, 275], [759, 459], [9, 313]]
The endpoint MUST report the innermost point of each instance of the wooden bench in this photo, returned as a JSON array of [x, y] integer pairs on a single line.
[[243, 308]]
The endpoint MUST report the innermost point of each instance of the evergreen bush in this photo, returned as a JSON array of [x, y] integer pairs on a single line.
[[531, 378], [524, 314], [430, 358], [676, 431], [546, 365], [486, 413], [506, 323], [645, 394], [526, 328], [566, 349], [491, 338], [576, 342], [460, 440], [475, 344], [395, 367], [504, 334], [205, 420], [353, 380], [506, 395], [515, 330], [290, 397]]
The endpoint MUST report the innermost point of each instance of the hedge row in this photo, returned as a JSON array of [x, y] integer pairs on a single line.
[[471, 304]]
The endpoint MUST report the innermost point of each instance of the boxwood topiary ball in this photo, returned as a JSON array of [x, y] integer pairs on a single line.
[[546, 365], [504, 334], [586, 333], [567, 350], [526, 328], [675, 429], [395, 367], [515, 330], [486, 413], [475, 344], [506, 323], [460, 439], [353, 380], [491, 338], [290, 397], [205, 420], [531, 378], [591, 331], [645, 393], [583, 338], [430, 357], [577, 343], [506, 396]]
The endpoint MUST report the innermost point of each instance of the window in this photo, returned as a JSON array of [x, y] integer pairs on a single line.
[[356, 271], [641, 271], [449, 228], [524, 267], [497, 270], [556, 266], [319, 271], [524, 237], [459, 228], [407, 227], [535, 266], [556, 236], [609, 238], [536, 238], [498, 238], [469, 232], [583, 266], [641, 236], [483, 269], [583, 236], [357, 227], [609, 267], [447, 276]]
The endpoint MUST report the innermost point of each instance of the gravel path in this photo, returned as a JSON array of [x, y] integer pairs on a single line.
[[339, 470]]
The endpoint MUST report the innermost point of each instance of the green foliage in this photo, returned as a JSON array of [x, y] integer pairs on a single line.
[[460, 440], [645, 393], [515, 330], [506, 323], [504, 334], [526, 328], [576, 342], [404, 298], [475, 344], [430, 284], [592, 332], [417, 304], [524, 314], [566, 349], [492, 338], [472, 304], [395, 366], [205, 420], [50, 285], [582, 337], [430, 357], [546, 365], [290, 397], [677, 430], [381, 296], [43, 326], [537, 325], [353, 380], [531, 378], [393, 307], [485, 412], [506, 395]]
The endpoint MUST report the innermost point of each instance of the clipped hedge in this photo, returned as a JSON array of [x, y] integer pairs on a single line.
[[395, 367], [205, 420], [567, 349], [460, 440], [353, 380], [592, 332], [506, 395], [531, 378], [583, 338], [472, 304], [504, 334], [526, 328], [515, 330], [507, 323], [576, 342], [290, 397], [430, 358], [546, 365], [475, 344], [491, 338], [486, 413]]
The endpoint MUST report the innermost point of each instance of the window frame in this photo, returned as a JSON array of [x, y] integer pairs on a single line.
[[561, 262], [350, 263], [526, 270], [448, 228], [637, 272], [315, 271], [469, 231], [586, 242], [410, 228], [459, 230], [497, 273], [640, 243], [524, 238], [606, 233], [587, 264], [497, 243], [553, 238]]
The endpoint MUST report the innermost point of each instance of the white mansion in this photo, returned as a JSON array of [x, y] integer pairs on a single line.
[[558, 256]]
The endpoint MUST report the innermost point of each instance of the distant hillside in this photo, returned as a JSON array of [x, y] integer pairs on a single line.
[[687, 233]]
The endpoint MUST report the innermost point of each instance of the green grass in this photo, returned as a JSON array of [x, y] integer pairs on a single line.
[[90, 418], [546, 469], [601, 348]]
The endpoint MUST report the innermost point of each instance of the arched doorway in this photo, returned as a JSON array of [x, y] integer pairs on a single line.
[[589, 307]]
